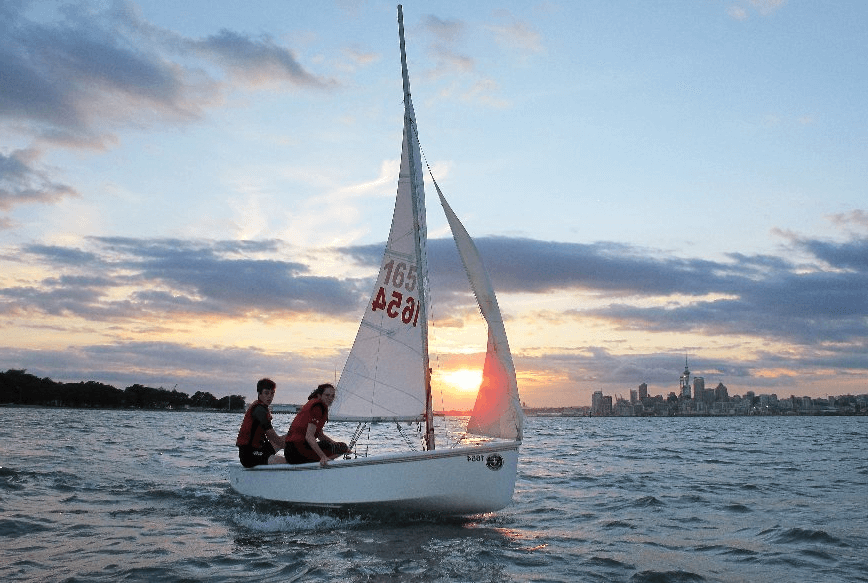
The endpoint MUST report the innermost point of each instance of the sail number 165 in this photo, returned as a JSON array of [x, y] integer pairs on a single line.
[[398, 275]]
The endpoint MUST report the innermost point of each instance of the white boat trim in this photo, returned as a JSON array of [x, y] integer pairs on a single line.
[[388, 458]]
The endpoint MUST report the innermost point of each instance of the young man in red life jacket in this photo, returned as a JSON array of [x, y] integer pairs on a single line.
[[257, 441], [306, 441]]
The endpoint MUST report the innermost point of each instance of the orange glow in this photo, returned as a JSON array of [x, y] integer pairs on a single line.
[[773, 373], [463, 380]]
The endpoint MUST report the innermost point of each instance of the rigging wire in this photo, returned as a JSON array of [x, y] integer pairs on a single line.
[[406, 437], [431, 302], [446, 429]]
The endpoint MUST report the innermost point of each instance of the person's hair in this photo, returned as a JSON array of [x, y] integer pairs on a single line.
[[320, 390], [264, 384]]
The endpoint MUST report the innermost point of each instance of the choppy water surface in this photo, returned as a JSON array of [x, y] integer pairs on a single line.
[[143, 496]]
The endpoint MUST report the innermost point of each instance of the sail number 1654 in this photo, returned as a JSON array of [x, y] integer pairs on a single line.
[[398, 305]]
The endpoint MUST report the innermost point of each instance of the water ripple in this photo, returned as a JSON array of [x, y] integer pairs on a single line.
[[604, 500]]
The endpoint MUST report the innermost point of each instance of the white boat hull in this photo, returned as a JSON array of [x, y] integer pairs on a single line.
[[467, 480]]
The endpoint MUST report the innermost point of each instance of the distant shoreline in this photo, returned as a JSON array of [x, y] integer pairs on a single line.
[[529, 412], [103, 408]]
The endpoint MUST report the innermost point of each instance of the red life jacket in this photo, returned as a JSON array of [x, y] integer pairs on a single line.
[[247, 435], [306, 416]]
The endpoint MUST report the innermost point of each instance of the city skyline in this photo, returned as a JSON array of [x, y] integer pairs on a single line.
[[197, 194]]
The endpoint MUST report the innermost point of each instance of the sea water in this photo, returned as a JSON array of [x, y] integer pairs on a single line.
[[90, 495]]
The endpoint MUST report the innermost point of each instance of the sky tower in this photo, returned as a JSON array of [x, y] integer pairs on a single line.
[[684, 383]]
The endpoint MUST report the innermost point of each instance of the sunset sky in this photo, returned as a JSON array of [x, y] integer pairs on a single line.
[[196, 194]]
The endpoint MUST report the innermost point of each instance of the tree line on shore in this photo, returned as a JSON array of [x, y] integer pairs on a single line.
[[20, 388]]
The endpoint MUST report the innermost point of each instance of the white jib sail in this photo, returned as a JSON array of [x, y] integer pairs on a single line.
[[497, 411], [385, 373]]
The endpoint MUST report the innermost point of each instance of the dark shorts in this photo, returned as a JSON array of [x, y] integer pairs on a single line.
[[255, 457], [302, 453]]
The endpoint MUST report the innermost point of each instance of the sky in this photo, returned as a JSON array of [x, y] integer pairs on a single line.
[[195, 195]]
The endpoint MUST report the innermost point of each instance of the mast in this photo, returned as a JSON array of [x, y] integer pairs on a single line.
[[418, 203]]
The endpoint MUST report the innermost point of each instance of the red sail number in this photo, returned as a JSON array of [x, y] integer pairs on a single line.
[[408, 313], [400, 275]]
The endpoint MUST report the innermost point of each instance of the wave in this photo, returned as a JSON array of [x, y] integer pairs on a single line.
[[14, 528], [58, 480], [291, 522], [740, 508], [618, 524], [740, 552], [799, 535], [666, 577], [11, 479], [607, 562], [646, 501], [642, 502], [719, 462], [819, 554]]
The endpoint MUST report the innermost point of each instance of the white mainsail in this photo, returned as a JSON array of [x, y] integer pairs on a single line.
[[386, 375]]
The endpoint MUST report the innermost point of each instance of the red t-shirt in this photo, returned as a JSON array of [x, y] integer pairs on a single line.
[[314, 411]]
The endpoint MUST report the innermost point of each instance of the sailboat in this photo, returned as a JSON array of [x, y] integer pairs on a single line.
[[387, 378]]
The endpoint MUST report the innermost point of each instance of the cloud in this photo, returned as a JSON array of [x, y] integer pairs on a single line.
[[465, 82], [535, 266], [255, 61], [449, 31], [805, 309], [359, 57], [21, 182], [756, 296], [784, 302], [851, 255], [767, 6], [75, 80], [737, 12], [761, 296], [636, 289], [763, 7], [517, 34], [817, 309], [168, 278], [592, 368], [446, 38], [601, 365], [857, 218], [221, 370]]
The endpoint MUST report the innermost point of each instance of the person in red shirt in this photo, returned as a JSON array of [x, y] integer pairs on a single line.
[[257, 440], [305, 441]]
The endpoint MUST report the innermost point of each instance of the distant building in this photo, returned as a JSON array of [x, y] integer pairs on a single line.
[[684, 382], [601, 405], [597, 402], [624, 408], [643, 391]]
